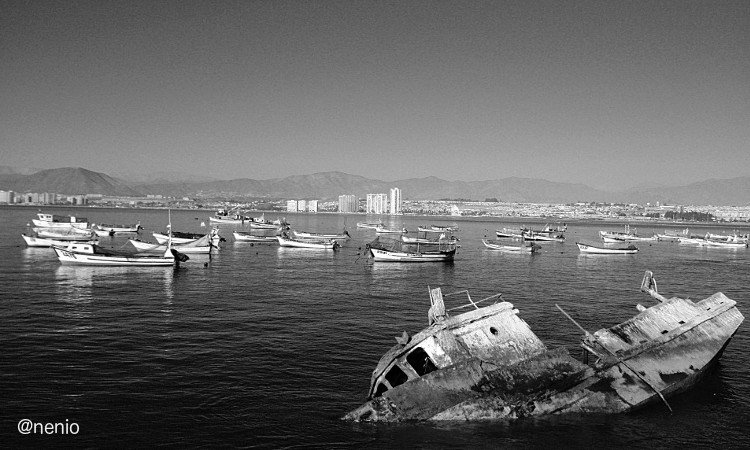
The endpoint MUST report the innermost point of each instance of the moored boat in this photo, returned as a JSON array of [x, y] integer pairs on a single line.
[[307, 235], [104, 229], [398, 251], [508, 233], [604, 250], [287, 241], [182, 237], [372, 225], [203, 245], [244, 236], [65, 234], [44, 220], [33, 241], [93, 255], [487, 364], [384, 230], [503, 247]]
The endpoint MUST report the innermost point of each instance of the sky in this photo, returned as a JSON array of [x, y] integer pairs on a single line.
[[611, 94]]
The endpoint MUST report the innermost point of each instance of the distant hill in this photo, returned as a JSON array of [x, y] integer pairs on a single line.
[[329, 185], [69, 180]]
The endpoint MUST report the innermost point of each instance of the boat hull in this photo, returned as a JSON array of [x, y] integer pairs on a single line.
[[84, 259], [392, 256], [316, 244], [584, 248], [244, 237], [32, 241]]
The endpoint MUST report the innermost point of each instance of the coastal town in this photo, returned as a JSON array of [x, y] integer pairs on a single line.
[[394, 204]]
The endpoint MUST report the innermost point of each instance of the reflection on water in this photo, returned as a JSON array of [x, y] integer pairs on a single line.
[[306, 254], [77, 284]]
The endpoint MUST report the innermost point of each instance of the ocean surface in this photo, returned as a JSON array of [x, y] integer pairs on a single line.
[[261, 346]]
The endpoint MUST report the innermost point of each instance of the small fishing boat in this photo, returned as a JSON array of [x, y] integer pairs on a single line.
[[104, 229], [263, 226], [508, 233], [306, 235], [244, 236], [503, 247], [437, 229], [384, 230], [397, 251], [286, 241], [204, 245], [65, 234], [93, 255], [604, 250], [480, 361], [372, 225], [613, 237], [542, 236], [33, 241], [44, 220], [181, 237]]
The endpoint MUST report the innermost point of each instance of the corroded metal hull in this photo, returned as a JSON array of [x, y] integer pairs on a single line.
[[664, 350]]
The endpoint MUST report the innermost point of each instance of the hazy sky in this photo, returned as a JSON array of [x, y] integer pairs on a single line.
[[612, 94]]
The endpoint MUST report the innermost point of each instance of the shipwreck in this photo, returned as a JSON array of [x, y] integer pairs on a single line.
[[487, 364]]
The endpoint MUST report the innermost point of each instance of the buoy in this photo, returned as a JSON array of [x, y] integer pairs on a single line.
[[203, 224]]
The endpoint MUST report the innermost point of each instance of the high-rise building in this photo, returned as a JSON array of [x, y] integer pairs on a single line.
[[377, 203], [348, 203], [395, 206], [291, 205]]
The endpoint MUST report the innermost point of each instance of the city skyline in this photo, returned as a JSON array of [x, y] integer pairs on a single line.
[[612, 95]]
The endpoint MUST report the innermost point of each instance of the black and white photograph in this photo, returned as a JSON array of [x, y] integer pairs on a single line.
[[327, 224]]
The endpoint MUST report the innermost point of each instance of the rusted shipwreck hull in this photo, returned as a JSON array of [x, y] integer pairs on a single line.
[[487, 363]]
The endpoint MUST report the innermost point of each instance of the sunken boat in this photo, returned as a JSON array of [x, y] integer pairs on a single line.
[[487, 364]]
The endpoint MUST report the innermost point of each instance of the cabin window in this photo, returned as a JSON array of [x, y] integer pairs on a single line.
[[420, 361], [396, 376], [380, 390]]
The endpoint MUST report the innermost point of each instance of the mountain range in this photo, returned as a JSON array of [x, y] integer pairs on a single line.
[[329, 185]]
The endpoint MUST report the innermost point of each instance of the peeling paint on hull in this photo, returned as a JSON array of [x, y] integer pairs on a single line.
[[664, 350]]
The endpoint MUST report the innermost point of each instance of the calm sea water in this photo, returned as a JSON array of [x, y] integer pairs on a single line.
[[261, 346]]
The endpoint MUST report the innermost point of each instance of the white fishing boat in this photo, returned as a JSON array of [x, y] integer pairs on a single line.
[[286, 241], [263, 226], [612, 237], [202, 246], [671, 235], [385, 230], [244, 236], [44, 220], [371, 225], [181, 237], [542, 236], [93, 255], [397, 251], [105, 229], [508, 233], [503, 247], [720, 244], [604, 250], [307, 235], [65, 234], [33, 241]]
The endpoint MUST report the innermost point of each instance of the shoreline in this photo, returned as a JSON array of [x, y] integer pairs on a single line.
[[555, 221]]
